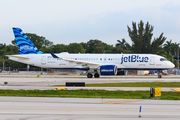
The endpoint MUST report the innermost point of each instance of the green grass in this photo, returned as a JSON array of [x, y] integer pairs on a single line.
[[89, 94], [136, 84]]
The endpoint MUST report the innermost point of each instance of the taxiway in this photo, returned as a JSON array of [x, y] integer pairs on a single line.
[[42, 108]]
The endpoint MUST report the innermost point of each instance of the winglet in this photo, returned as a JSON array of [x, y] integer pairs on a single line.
[[54, 56]]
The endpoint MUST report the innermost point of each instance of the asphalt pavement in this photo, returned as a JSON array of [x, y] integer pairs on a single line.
[[43, 108]]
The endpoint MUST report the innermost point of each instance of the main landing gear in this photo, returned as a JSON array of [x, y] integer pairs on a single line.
[[96, 75], [90, 75]]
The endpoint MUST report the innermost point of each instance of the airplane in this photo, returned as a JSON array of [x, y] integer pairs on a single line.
[[94, 64]]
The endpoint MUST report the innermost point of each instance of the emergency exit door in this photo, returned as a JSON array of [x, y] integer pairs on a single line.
[[152, 61]]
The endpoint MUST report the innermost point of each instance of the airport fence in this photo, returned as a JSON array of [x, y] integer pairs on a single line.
[[9, 70], [15, 70], [36, 70]]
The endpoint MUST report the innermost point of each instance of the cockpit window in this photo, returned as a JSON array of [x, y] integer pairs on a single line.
[[163, 59]]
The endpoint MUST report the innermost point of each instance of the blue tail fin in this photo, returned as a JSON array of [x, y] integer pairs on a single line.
[[25, 46]]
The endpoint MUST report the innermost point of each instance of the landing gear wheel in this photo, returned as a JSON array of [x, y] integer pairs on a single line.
[[89, 75], [96, 75], [159, 76]]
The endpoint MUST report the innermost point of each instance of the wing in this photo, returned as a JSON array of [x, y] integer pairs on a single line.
[[78, 62]]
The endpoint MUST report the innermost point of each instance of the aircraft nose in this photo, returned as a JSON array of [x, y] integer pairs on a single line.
[[172, 65]]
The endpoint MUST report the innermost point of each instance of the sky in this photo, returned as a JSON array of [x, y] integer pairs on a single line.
[[69, 21]]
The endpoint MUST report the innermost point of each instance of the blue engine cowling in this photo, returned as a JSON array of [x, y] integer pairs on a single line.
[[108, 70]]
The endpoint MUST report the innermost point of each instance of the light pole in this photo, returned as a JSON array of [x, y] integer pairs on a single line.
[[27, 67], [173, 59], [178, 61], [3, 65]]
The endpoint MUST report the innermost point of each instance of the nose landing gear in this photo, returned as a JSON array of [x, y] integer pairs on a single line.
[[159, 75]]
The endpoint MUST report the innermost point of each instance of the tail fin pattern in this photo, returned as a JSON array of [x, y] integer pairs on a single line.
[[25, 46]]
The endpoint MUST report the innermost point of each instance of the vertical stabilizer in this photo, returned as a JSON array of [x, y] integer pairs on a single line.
[[25, 46]]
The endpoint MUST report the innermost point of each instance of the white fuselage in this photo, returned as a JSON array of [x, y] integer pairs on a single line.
[[122, 61]]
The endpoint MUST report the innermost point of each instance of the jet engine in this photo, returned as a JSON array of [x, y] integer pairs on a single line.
[[108, 70]]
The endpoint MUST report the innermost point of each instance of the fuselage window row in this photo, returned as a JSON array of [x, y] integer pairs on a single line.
[[90, 59]]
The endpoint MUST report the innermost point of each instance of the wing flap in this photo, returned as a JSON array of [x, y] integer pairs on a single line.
[[80, 62]]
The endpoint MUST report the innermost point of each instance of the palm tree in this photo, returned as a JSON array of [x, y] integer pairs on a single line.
[[175, 47], [168, 47], [123, 44]]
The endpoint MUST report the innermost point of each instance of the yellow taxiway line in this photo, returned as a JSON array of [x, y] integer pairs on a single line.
[[176, 90], [158, 81], [60, 88]]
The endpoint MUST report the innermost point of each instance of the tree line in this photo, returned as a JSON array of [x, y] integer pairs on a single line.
[[140, 34]]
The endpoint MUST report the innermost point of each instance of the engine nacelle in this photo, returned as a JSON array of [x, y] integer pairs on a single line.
[[108, 70]]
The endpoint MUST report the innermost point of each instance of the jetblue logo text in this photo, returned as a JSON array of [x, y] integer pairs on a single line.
[[26, 47], [107, 70], [134, 58]]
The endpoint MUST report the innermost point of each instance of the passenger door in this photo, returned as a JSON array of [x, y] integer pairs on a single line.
[[43, 60]]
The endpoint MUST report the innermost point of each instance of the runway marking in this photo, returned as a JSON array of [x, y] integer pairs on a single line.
[[176, 90], [159, 81], [120, 102]]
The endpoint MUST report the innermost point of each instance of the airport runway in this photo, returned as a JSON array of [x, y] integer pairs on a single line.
[[42, 108], [44, 83]]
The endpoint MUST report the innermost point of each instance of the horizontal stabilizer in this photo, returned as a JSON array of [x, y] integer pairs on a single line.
[[22, 57]]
